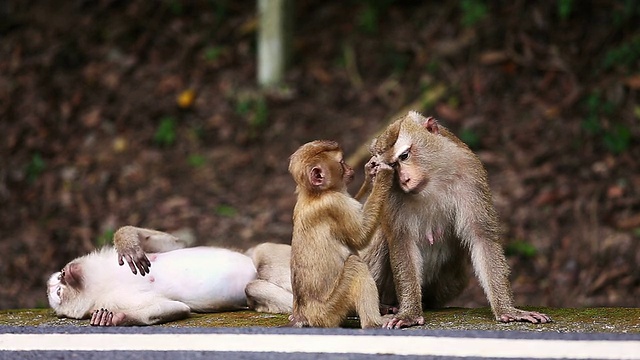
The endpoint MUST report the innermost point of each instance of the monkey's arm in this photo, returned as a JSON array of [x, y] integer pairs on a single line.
[[493, 271], [369, 173], [373, 205], [133, 242]]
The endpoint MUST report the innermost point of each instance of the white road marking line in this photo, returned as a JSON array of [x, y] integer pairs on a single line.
[[396, 345]]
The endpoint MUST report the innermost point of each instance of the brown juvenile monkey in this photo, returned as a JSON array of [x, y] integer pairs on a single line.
[[329, 279], [271, 291], [438, 217]]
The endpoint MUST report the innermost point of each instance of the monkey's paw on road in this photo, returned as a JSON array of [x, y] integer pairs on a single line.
[[525, 316], [397, 322], [104, 317]]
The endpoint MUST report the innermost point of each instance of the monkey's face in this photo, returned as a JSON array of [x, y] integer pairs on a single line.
[[64, 285], [404, 158], [404, 145]]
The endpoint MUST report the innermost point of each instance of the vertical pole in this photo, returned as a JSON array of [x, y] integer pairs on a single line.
[[274, 33]]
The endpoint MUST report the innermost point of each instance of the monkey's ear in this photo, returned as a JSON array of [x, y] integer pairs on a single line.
[[316, 176], [431, 124]]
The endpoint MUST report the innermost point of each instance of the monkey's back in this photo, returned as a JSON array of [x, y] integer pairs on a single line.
[[317, 253]]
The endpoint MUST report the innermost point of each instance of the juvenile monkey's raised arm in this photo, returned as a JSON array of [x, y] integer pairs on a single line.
[[132, 244], [369, 173], [382, 179]]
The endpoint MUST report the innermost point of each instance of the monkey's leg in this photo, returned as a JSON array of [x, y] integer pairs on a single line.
[[365, 294], [376, 256], [264, 296], [406, 265], [492, 270], [354, 290]]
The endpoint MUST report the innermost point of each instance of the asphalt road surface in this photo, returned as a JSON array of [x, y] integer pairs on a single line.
[[284, 343]]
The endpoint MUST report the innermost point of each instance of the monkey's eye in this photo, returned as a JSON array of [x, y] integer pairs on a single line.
[[404, 156], [59, 291]]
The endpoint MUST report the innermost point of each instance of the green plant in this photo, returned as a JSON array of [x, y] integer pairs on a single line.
[[616, 138], [175, 6], [433, 66], [473, 11], [397, 60], [521, 248], [261, 113], [226, 211], [470, 137], [625, 55], [255, 109], [625, 12], [564, 9], [368, 19], [212, 53], [166, 133], [35, 167], [196, 160], [105, 238], [591, 122]]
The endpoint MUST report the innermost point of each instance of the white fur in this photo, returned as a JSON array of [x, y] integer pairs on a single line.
[[202, 278]]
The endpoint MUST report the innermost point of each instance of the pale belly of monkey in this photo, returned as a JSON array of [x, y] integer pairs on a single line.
[[206, 279], [443, 261], [445, 272]]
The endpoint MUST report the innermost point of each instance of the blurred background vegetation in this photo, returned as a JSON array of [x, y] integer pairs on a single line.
[[148, 113]]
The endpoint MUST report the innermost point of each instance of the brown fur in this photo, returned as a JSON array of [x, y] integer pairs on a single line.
[[439, 218], [271, 291], [329, 279]]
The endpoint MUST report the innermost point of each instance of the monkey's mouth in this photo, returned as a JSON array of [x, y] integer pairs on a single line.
[[413, 187]]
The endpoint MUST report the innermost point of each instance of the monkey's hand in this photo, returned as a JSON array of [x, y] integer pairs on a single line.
[[397, 322], [371, 168], [383, 167], [104, 317], [136, 258], [521, 315]]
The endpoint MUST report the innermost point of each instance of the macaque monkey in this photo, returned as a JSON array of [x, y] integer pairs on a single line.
[[329, 279], [271, 291], [439, 215], [201, 279]]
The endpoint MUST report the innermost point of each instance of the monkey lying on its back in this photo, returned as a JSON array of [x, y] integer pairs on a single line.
[[201, 279]]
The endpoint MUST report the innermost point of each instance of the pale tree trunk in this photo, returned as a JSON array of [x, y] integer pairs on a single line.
[[274, 40]]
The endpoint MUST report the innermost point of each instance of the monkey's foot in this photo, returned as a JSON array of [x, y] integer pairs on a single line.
[[521, 315], [104, 317], [298, 321], [397, 322], [388, 309], [297, 324]]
